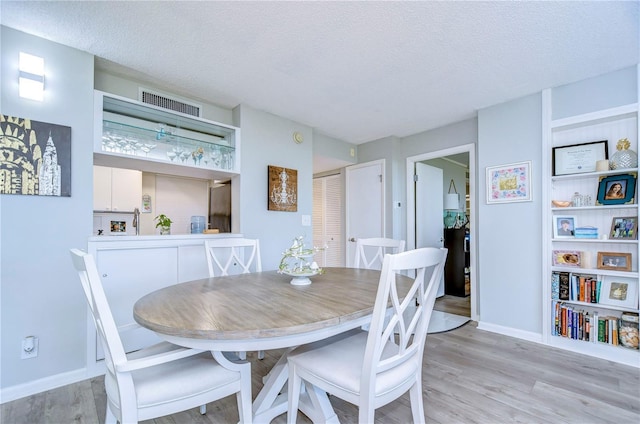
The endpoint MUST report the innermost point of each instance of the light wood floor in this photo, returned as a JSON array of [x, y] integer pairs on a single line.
[[470, 376], [454, 305]]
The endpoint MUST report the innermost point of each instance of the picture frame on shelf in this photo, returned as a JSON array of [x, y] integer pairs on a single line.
[[616, 292], [118, 228], [616, 189], [509, 183], [615, 261], [564, 226], [578, 158], [570, 258], [624, 228]]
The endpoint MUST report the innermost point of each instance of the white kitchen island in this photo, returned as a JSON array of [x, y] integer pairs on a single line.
[[133, 266]]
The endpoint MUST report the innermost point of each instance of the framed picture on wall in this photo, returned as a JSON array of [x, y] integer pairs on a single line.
[[509, 183]]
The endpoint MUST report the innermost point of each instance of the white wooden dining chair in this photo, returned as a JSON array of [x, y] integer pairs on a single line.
[[371, 369], [233, 255], [370, 251], [162, 379]]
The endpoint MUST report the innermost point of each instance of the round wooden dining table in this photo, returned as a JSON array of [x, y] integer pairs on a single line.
[[261, 311]]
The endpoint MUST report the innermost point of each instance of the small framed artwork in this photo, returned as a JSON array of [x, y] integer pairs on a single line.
[[509, 183], [619, 293], [578, 158], [118, 228], [564, 226], [283, 189], [572, 258], [614, 261], [625, 227], [616, 189]]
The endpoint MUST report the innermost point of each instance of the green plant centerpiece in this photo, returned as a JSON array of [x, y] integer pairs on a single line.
[[164, 222], [297, 261]]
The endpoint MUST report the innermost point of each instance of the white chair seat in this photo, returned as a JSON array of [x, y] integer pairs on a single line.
[[342, 355], [191, 376]]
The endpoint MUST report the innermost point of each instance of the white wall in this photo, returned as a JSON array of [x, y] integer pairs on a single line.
[[41, 294]]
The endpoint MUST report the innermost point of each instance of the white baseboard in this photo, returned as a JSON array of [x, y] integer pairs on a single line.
[[511, 332], [9, 394]]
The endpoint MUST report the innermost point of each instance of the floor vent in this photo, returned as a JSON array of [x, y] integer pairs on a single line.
[[165, 102]]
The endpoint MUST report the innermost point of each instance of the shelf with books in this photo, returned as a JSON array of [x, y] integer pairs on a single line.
[[590, 237]]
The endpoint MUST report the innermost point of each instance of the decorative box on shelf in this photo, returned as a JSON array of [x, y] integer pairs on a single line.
[[586, 232]]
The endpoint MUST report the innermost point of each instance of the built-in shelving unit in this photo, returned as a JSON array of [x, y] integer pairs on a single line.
[[581, 293], [134, 135]]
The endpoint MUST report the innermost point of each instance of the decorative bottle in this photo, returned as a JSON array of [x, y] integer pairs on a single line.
[[623, 157]]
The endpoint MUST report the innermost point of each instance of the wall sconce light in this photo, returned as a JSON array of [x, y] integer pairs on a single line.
[[31, 78]]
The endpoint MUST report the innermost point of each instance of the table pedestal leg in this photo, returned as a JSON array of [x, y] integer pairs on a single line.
[[273, 398]]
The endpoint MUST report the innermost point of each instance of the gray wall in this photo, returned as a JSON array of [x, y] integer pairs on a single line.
[[40, 292], [509, 234], [268, 140]]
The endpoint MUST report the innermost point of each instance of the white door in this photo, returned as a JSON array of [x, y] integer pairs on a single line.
[[327, 220], [364, 204], [429, 204]]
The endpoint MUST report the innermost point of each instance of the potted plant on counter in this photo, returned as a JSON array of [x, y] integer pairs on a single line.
[[164, 222]]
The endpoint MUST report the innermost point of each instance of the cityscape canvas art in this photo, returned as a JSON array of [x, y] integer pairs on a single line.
[[35, 157]]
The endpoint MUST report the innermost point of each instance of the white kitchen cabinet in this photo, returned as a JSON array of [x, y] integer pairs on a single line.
[[116, 189]]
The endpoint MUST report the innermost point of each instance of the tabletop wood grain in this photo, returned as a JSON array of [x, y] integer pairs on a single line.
[[259, 305]]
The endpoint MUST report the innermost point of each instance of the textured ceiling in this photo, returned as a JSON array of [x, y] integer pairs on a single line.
[[357, 71]]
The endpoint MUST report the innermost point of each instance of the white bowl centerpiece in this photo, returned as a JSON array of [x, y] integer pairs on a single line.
[[297, 262]]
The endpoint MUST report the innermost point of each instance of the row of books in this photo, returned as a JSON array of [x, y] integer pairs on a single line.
[[576, 324], [575, 287]]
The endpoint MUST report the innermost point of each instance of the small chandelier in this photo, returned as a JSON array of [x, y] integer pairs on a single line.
[[281, 195]]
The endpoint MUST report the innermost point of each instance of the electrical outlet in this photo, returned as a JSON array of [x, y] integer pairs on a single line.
[[29, 347]]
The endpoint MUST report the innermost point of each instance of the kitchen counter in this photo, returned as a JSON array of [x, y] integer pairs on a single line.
[[168, 238]]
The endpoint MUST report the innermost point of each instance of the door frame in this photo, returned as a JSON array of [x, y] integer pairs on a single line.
[[411, 207]]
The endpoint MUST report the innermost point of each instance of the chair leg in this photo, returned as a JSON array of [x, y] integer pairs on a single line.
[[417, 402], [294, 387], [203, 409], [261, 354], [242, 355], [243, 398], [109, 418]]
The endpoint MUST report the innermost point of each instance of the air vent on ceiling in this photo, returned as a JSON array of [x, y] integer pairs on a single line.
[[166, 102]]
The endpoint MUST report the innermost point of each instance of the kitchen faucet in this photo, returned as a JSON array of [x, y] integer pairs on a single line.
[[136, 220]]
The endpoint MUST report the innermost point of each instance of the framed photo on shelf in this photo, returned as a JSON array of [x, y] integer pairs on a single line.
[[572, 258], [118, 228], [615, 261], [578, 158], [625, 228], [509, 183], [564, 226], [619, 293], [616, 189]]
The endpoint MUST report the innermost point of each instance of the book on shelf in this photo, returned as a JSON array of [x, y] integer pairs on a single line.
[[577, 324], [575, 287]]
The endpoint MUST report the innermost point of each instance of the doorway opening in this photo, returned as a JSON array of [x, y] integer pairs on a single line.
[[465, 155]]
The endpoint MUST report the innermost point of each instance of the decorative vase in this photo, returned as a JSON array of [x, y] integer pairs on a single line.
[[165, 231], [623, 157]]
